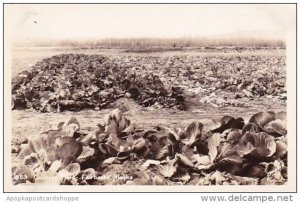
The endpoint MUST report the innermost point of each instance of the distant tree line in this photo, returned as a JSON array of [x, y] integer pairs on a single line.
[[162, 42]]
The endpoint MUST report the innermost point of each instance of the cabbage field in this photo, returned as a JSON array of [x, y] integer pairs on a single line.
[[192, 117]]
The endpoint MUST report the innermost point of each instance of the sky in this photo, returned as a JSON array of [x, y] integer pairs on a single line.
[[86, 22]]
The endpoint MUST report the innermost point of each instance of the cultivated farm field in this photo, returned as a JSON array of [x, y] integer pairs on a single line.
[[186, 93]]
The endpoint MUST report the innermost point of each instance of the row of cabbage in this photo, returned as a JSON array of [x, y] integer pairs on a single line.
[[78, 81], [232, 151]]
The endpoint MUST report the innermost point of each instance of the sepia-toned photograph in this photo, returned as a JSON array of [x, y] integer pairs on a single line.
[[183, 95]]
